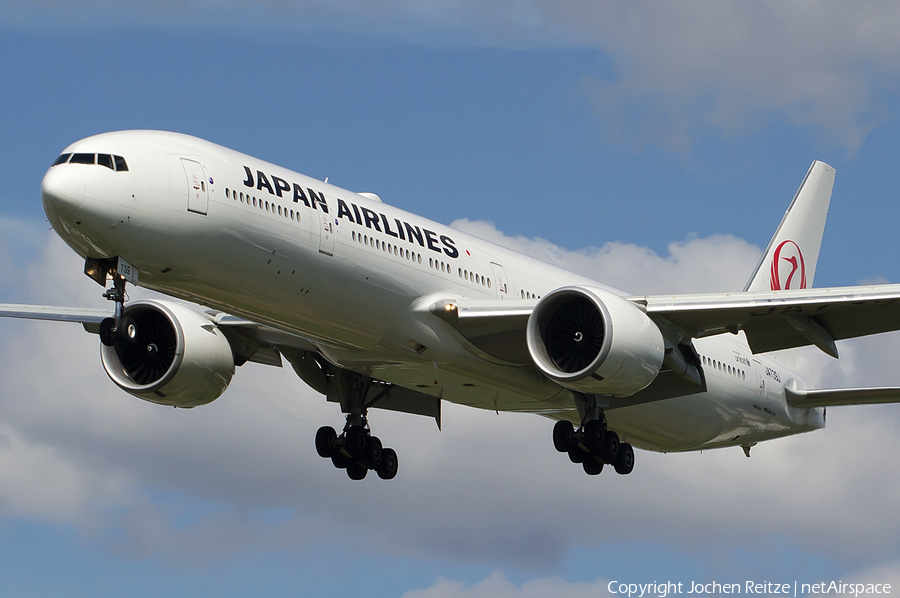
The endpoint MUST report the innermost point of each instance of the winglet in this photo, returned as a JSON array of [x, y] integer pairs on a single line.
[[789, 262]]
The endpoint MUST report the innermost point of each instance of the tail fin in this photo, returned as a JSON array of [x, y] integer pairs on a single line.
[[789, 262]]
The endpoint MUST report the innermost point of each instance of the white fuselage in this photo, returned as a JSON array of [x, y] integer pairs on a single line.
[[240, 235]]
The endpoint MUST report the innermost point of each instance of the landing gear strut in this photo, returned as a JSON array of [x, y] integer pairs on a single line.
[[118, 328], [593, 444], [355, 449]]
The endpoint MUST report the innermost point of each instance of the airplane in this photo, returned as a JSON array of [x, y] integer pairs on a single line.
[[378, 308]]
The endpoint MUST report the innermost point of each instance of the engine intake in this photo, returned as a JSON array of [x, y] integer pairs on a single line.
[[178, 357], [594, 341]]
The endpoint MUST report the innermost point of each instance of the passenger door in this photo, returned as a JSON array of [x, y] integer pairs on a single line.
[[500, 281], [198, 193]]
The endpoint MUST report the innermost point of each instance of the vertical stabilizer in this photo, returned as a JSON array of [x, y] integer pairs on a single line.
[[789, 262]]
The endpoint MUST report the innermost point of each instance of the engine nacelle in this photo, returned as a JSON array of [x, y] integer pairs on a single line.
[[179, 357], [594, 341]]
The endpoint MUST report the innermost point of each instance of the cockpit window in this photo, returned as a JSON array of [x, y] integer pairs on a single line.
[[82, 159], [112, 162]]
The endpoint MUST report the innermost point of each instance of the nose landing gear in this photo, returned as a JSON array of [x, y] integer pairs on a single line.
[[117, 328]]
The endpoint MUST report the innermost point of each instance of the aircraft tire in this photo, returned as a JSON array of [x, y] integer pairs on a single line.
[[576, 455], [594, 436], [357, 440], [389, 465], [355, 471], [592, 466], [611, 446], [106, 332], [374, 452], [562, 436], [325, 437], [339, 461], [625, 464]]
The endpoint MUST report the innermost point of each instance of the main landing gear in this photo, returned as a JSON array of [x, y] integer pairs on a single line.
[[594, 446], [355, 450]]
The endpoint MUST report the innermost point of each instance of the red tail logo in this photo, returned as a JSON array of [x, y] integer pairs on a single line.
[[786, 262]]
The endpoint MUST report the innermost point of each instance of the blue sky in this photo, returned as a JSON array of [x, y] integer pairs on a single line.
[[652, 146]]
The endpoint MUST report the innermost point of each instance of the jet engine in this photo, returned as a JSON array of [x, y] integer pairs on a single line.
[[594, 341], [177, 356]]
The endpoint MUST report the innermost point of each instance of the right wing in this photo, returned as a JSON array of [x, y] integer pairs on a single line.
[[89, 318], [833, 397]]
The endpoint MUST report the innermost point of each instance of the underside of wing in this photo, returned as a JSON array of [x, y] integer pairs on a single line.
[[834, 397], [493, 326]]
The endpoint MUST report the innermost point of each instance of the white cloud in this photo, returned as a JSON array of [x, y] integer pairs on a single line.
[[714, 263], [242, 473]]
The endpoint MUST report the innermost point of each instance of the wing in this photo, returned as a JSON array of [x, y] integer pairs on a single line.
[[774, 320], [258, 343], [89, 318], [833, 397]]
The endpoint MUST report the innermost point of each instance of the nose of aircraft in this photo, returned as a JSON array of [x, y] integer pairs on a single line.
[[62, 190]]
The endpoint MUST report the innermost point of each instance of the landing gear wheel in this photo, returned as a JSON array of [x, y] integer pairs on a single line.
[[610, 450], [357, 439], [562, 436], [107, 337], [340, 461], [325, 438], [576, 455], [592, 466], [594, 436], [127, 331], [388, 467], [625, 464], [374, 453], [355, 471]]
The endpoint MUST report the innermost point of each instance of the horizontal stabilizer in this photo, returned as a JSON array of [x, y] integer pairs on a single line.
[[835, 397]]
